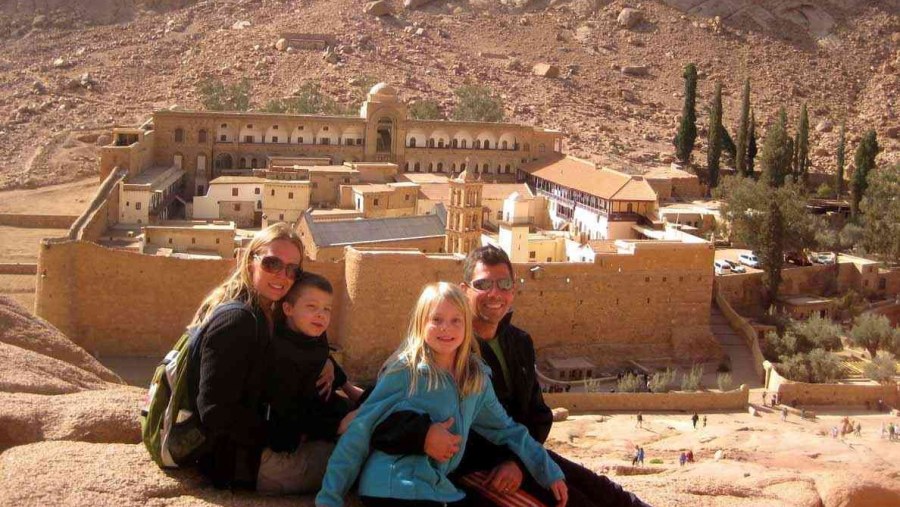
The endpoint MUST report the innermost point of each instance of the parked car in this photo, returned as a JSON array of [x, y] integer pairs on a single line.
[[824, 258], [736, 267], [749, 260], [797, 258], [722, 267]]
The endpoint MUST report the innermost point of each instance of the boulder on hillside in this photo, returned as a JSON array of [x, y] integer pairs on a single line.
[[415, 4], [26, 371], [851, 490], [19, 328], [281, 44], [635, 70], [629, 17], [110, 415], [377, 8], [824, 126], [545, 70]]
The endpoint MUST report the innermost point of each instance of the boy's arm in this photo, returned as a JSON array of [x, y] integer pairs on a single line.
[[402, 432], [340, 377]]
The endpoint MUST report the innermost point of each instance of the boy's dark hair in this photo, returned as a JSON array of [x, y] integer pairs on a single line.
[[308, 279], [487, 255]]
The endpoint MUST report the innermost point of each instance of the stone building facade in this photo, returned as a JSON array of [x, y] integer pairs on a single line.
[[207, 145]]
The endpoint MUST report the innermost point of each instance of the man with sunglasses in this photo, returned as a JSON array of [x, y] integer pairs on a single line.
[[509, 351]]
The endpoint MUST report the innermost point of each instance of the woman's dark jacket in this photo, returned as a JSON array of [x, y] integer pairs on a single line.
[[234, 353]]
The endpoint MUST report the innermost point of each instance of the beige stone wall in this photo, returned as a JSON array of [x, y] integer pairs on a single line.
[[186, 239], [336, 253], [37, 221], [325, 187], [803, 394], [702, 401], [653, 304], [134, 158], [242, 213]]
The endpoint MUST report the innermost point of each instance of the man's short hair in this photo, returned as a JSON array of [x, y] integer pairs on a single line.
[[308, 279], [489, 256]]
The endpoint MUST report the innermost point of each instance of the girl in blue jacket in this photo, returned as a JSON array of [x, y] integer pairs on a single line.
[[436, 371]]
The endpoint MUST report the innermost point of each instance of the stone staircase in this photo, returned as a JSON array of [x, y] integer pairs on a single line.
[[742, 370]]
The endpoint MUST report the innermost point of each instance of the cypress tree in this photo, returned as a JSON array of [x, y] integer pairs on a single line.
[[795, 165], [740, 158], [714, 143], [803, 146], [839, 183], [728, 144], [751, 145], [687, 130], [771, 251], [865, 162], [775, 157]]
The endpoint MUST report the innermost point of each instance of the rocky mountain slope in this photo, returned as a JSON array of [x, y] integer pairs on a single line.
[[84, 66]]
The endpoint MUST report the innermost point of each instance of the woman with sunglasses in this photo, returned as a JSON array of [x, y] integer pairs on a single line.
[[233, 355]]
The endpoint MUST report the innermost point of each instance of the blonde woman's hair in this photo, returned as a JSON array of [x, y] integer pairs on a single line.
[[414, 352], [239, 283]]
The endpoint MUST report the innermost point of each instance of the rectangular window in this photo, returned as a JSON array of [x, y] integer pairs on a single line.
[[359, 141], [326, 140], [234, 192], [256, 190], [193, 241], [137, 205], [406, 197], [300, 140], [290, 195], [274, 139], [170, 241], [532, 254], [375, 202], [218, 240], [248, 139], [273, 192], [223, 138], [281, 216], [237, 207]]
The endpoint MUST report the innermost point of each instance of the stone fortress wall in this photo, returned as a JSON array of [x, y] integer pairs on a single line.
[[120, 303], [804, 394], [700, 401]]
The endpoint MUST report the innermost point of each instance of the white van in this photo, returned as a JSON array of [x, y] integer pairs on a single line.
[[722, 267], [749, 259]]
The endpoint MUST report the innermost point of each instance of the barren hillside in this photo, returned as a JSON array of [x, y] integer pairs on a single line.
[[69, 69]]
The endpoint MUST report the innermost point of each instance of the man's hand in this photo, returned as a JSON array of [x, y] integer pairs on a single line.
[[326, 378], [440, 444], [505, 478], [345, 422], [560, 492]]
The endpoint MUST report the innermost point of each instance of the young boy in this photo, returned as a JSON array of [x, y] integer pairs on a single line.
[[300, 350]]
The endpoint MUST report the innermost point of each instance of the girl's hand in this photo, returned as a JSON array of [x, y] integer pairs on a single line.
[[326, 378], [440, 444], [560, 492]]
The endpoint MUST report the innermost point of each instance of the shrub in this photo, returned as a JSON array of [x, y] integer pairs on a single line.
[[724, 381], [690, 381], [661, 381], [629, 383], [656, 461], [824, 191], [309, 99], [882, 369], [275, 106], [824, 367], [817, 332], [592, 385], [477, 103], [425, 110], [217, 96]]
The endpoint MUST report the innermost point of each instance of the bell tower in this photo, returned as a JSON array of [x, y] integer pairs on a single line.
[[464, 214]]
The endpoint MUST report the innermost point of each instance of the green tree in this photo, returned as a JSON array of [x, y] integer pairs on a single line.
[[823, 366], [425, 110], [776, 155], [217, 96], [865, 162], [740, 159], [728, 146], [839, 178], [275, 106], [744, 205], [817, 332], [714, 138], [882, 368], [724, 381], [873, 333], [309, 99], [751, 145], [881, 213], [477, 103], [802, 147], [690, 381], [687, 129], [771, 251], [661, 381]]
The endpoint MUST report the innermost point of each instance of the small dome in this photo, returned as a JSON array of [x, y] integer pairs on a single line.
[[383, 91]]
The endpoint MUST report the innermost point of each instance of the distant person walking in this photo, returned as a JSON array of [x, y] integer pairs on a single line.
[[764, 398], [694, 419], [641, 455], [682, 459], [690, 456], [704, 421], [640, 421], [637, 456], [858, 430], [784, 413]]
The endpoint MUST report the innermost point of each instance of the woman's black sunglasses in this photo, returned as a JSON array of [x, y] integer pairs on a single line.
[[274, 265]]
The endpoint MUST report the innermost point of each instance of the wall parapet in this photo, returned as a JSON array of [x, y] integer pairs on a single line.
[[95, 215], [806, 394], [744, 329], [736, 399], [37, 221], [17, 268]]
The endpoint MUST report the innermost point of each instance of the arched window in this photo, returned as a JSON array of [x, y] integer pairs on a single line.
[[406, 167], [224, 161], [417, 167], [454, 143], [431, 167], [440, 143], [505, 145], [253, 163], [464, 143], [508, 169], [201, 136], [484, 168], [440, 167], [477, 144], [412, 142], [243, 163], [541, 148], [179, 135], [431, 143], [487, 144]]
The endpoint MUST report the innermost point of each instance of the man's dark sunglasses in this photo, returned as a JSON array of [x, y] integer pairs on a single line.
[[486, 284], [274, 265]]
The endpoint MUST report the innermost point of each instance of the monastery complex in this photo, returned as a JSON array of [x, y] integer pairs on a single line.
[[610, 267]]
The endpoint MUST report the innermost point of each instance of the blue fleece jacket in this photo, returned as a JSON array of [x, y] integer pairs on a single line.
[[418, 477]]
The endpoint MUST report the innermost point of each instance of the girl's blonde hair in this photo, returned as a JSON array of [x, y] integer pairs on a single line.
[[414, 352], [239, 284]]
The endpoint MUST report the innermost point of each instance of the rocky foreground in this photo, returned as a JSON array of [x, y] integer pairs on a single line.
[[69, 435]]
